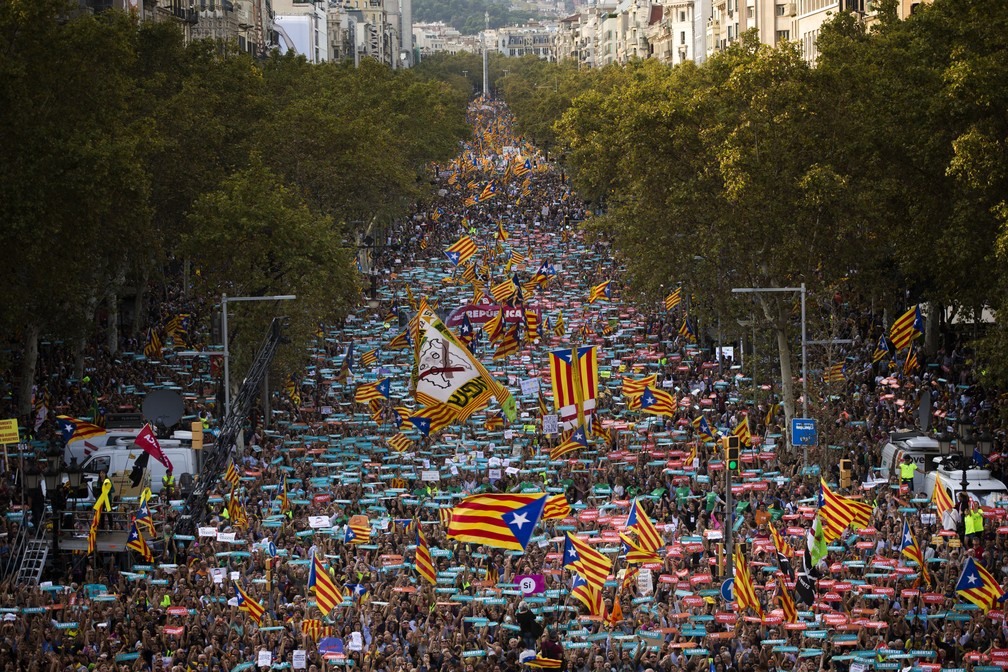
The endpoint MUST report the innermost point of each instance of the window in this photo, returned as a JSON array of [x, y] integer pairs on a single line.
[[780, 10], [682, 37], [98, 465], [682, 16], [783, 35]]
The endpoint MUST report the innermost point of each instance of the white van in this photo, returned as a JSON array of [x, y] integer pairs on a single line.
[[81, 449], [117, 463], [921, 448], [980, 485]]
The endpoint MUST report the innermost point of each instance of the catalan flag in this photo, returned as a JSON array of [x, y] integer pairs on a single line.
[[489, 191], [494, 327], [400, 443], [503, 291], [940, 498], [502, 234], [423, 561], [673, 299], [314, 628], [912, 362], [575, 385], [135, 542], [249, 604], [912, 550], [236, 512], [576, 441], [771, 413], [284, 500], [635, 553], [633, 389], [371, 391], [92, 538], [742, 431], [783, 548], [144, 518], [531, 325], [327, 594], [882, 349], [658, 402], [500, 520], [369, 358], [559, 327], [517, 258], [493, 422], [509, 345], [445, 516], [461, 250], [586, 561], [72, 429], [152, 350], [979, 586], [787, 604], [909, 326], [834, 374], [745, 592], [638, 521], [687, 331], [432, 418], [521, 168], [556, 507], [399, 342], [600, 291], [357, 532], [590, 597], [839, 512], [703, 428], [540, 662], [231, 475]]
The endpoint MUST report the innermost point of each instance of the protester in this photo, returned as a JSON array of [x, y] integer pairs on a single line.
[[325, 460]]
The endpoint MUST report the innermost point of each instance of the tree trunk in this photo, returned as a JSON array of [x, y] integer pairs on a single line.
[[138, 306], [112, 331], [27, 377], [787, 379], [931, 328]]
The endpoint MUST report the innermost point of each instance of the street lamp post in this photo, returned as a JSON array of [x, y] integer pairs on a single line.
[[804, 348], [225, 299]]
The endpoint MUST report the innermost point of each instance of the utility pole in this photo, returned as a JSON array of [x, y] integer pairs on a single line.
[[486, 19]]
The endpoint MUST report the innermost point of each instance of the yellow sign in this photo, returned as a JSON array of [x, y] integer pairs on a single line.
[[8, 432]]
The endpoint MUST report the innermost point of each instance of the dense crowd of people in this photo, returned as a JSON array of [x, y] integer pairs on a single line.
[[331, 458]]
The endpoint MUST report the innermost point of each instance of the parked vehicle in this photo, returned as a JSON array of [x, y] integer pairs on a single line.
[[921, 448]]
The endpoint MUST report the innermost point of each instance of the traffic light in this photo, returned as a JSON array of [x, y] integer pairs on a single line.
[[731, 444]]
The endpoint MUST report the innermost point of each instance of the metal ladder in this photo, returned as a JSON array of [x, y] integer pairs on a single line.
[[215, 460], [35, 554], [16, 549]]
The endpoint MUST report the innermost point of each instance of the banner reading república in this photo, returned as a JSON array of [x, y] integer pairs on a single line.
[[448, 373]]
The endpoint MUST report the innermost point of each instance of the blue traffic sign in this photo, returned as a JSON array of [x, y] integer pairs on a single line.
[[804, 432], [728, 590]]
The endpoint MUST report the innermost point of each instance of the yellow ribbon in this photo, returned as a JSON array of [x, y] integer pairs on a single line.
[[103, 499], [145, 496]]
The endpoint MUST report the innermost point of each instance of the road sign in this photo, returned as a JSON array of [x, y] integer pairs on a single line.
[[804, 432], [728, 590]]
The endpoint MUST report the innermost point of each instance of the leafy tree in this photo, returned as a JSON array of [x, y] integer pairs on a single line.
[[73, 192], [255, 236]]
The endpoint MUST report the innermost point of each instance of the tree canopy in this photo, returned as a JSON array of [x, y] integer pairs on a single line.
[[142, 152], [879, 171]]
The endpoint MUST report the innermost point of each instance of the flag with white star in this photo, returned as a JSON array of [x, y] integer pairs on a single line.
[[500, 520]]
